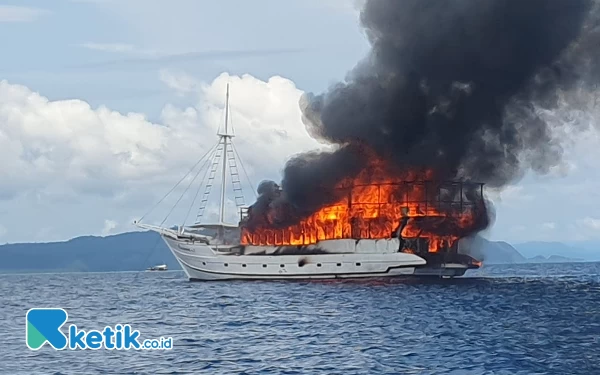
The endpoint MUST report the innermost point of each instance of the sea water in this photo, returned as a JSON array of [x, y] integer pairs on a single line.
[[526, 319]]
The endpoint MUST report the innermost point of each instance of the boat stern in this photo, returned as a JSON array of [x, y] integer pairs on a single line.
[[446, 265]]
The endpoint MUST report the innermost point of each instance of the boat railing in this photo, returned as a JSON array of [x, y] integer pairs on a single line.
[[420, 198], [243, 213]]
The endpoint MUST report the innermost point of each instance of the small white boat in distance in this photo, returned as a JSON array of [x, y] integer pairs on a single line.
[[160, 267], [217, 251]]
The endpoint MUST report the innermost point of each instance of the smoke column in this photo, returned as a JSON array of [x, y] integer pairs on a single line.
[[456, 86]]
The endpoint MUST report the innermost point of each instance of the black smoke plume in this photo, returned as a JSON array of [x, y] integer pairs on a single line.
[[457, 86]]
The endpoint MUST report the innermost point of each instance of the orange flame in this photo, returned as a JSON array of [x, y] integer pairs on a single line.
[[373, 206]]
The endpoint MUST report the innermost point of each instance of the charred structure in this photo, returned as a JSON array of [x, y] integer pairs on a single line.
[[452, 90], [379, 203], [426, 216]]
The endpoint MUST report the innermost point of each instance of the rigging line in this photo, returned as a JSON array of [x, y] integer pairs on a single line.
[[244, 169], [186, 189], [212, 151], [181, 197], [200, 184], [180, 181]]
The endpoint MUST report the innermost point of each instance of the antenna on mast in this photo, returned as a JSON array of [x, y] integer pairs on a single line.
[[224, 138]]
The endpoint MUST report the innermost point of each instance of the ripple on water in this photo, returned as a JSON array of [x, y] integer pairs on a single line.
[[542, 319]]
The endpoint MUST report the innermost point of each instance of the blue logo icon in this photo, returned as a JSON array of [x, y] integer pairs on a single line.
[[44, 326]]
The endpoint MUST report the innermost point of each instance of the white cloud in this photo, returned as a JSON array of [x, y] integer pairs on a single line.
[[68, 151], [585, 229], [549, 226], [67, 143], [12, 13], [591, 223], [109, 226], [179, 81], [563, 169], [122, 48], [510, 195], [109, 47]]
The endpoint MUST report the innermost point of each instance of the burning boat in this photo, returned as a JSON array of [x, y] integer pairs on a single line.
[[381, 223], [438, 102]]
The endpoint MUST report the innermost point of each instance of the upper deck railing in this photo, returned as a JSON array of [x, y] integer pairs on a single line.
[[418, 197]]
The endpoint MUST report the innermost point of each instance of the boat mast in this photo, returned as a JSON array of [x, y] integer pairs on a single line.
[[223, 151], [225, 137]]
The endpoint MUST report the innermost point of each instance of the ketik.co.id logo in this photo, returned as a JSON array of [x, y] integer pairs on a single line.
[[44, 326]]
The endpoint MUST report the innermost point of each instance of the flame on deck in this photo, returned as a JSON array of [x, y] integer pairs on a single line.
[[376, 206]]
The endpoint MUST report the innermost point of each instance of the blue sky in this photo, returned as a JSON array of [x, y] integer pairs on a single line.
[[104, 104]]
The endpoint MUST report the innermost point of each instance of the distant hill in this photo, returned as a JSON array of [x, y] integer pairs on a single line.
[[493, 252], [123, 252], [500, 252], [588, 251], [136, 251]]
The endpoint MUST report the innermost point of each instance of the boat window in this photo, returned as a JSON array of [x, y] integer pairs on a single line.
[[264, 266], [282, 265], [358, 264], [204, 263], [339, 264], [226, 265], [243, 265], [318, 264]]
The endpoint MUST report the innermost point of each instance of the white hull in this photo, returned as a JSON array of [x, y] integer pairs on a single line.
[[205, 262]]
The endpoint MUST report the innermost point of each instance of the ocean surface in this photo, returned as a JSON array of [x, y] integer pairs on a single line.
[[526, 319]]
